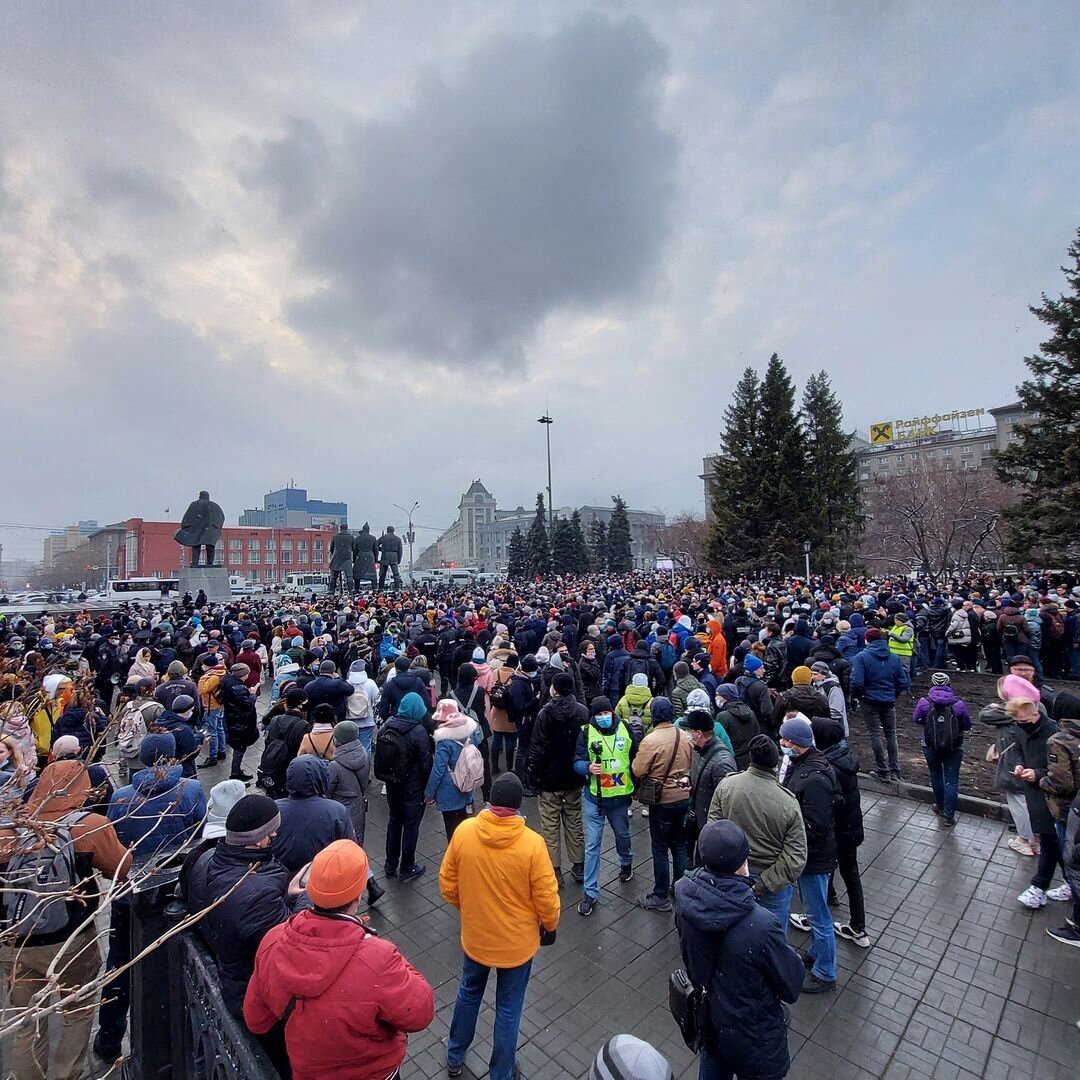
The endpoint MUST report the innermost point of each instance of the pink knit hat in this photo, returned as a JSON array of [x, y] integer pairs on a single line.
[[1012, 686]]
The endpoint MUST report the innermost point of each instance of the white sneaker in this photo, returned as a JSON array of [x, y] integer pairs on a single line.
[[1062, 894], [1033, 897], [800, 922], [644, 811]]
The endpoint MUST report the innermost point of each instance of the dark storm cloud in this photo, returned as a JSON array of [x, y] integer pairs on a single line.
[[136, 190], [538, 180], [292, 168]]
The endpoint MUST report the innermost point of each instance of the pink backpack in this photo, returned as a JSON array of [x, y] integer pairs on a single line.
[[468, 770]]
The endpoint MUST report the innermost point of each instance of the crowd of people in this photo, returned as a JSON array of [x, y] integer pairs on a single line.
[[721, 712]]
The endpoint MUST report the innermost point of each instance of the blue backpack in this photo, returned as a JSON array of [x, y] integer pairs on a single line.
[[667, 657], [1034, 628]]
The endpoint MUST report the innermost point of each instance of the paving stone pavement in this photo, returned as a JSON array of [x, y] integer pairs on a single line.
[[961, 982]]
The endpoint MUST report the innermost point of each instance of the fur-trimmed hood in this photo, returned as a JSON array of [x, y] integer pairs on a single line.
[[457, 731]]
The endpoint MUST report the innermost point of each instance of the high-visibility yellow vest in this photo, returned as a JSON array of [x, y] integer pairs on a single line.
[[616, 778]]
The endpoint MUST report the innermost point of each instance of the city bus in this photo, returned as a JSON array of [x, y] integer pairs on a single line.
[[141, 588], [312, 583]]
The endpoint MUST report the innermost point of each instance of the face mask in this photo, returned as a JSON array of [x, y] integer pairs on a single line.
[[603, 720], [788, 751]]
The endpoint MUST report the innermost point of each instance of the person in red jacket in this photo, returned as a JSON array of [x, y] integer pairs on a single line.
[[350, 997]]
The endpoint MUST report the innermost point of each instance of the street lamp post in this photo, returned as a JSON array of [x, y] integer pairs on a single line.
[[547, 422], [806, 545], [410, 535]]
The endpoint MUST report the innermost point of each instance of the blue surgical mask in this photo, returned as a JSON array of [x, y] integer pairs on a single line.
[[788, 751], [603, 720]]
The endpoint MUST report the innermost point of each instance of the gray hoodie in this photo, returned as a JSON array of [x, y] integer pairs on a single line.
[[350, 771]]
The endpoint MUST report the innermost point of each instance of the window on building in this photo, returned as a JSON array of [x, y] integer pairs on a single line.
[[899, 458], [286, 558], [1013, 435], [946, 451], [302, 557], [270, 545], [883, 460], [270, 559], [929, 453], [253, 545], [301, 545], [901, 472], [286, 545], [253, 558], [988, 446], [236, 545]]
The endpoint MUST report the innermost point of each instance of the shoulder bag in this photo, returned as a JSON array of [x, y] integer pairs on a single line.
[[651, 787]]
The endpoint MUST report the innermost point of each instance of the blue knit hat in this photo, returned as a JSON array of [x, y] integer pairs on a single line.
[[798, 731], [751, 664]]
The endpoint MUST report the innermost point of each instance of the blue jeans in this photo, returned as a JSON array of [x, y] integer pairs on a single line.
[[366, 735], [510, 987], [1071, 876], [667, 832], [1074, 663], [944, 777], [1011, 649], [939, 652], [814, 890], [593, 816], [922, 654], [499, 739], [214, 726], [779, 903]]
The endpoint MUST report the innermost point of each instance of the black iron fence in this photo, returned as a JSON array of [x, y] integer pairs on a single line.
[[180, 1028]]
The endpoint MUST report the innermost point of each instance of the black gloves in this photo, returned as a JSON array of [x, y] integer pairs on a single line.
[[547, 937]]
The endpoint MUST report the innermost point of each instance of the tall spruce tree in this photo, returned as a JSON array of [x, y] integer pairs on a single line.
[[780, 468], [581, 551], [597, 546], [619, 558], [833, 515], [516, 561], [733, 498], [562, 546], [537, 547], [1044, 457]]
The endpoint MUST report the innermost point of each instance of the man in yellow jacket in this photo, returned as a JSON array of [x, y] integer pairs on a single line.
[[498, 874]]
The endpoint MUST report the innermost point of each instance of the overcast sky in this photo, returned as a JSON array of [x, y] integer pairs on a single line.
[[365, 246]]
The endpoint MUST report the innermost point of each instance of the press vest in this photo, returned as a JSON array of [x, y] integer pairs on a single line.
[[616, 778], [901, 648]]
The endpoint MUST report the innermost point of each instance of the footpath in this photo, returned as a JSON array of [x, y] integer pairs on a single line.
[[961, 981]]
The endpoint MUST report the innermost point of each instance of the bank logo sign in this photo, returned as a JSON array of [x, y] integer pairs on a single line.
[[918, 427]]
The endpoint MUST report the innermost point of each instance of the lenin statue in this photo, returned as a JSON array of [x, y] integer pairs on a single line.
[[201, 528]]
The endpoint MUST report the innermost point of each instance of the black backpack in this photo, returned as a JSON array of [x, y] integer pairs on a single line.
[[1010, 632], [637, 665], [392, 755], [943, 732]]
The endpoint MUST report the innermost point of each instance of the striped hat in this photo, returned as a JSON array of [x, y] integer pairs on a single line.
[[939, 678]]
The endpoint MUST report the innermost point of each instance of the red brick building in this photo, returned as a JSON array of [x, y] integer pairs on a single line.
[[257, 554]]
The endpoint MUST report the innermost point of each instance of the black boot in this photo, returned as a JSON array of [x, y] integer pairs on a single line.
[[374, 893]]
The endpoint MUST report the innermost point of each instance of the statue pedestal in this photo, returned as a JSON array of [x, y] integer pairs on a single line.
[[213, 580]]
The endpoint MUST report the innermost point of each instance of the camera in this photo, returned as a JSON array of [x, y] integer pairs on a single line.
[[596, 749]]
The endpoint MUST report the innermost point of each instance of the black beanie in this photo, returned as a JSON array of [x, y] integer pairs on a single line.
[[252, 819], [763, 752], [507, 792], [599, 705]]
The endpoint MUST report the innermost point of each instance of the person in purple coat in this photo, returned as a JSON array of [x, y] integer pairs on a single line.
[[943, 761]]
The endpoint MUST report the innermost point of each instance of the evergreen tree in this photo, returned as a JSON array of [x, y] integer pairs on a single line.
[[734, 494], [619, 559], [597, 546], [1044, 457], [833, 514], [777, 512], [562, 546], [581, 551], [537, 548], [516, 562]]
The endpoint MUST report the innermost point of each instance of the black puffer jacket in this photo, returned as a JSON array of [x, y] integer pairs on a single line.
[[742, 725], [241, 722], [592, 679], [848, 817], [1031, 745], [810, 779], [550, 765], [740, 952], [235, 927]]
